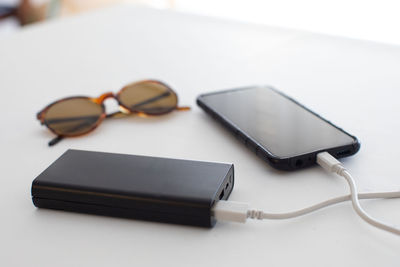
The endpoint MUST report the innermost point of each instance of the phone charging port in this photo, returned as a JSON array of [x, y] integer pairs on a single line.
[[343, 153]]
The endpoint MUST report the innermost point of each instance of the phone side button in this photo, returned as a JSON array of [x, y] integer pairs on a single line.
[[241, 137], [251, 145]]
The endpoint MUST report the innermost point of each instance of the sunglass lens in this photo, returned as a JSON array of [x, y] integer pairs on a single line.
[[74, 116], [150, 97]]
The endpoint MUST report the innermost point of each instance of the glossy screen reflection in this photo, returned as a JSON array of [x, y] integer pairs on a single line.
[[275, 122]]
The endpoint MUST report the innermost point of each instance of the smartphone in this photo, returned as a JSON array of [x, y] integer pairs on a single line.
[[276, 127]]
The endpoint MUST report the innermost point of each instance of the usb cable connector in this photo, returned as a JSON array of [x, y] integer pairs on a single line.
[[240, 212]]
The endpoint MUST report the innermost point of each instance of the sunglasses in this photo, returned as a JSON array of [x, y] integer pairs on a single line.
[[79, 115]]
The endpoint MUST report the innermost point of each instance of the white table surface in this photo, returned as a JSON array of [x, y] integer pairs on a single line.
[[353, 83]]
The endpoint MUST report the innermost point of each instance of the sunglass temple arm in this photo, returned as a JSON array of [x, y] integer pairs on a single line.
[[55, 140], [182, 108]]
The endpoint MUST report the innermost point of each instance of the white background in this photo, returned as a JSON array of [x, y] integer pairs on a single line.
[[376, 20]]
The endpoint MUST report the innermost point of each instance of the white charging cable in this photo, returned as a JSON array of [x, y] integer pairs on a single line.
[[240, 212]]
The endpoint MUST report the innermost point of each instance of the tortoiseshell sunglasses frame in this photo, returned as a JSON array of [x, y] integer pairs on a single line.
[[124, 110]]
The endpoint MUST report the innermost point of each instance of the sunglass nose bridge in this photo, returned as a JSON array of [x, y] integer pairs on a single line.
[[103, 97]]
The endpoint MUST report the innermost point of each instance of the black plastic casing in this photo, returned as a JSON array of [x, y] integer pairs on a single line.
[[139, 187], [286, 164]]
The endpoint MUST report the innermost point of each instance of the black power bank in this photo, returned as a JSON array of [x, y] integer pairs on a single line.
[[139, 187]]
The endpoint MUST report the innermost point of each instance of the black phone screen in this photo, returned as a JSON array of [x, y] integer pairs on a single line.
[[276, 122]]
